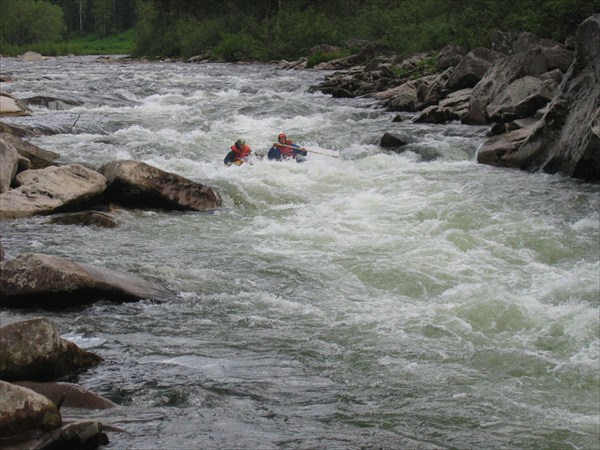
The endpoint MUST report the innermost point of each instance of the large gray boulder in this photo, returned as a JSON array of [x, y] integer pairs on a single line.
[[9, 159], [521, 98], [504, 71], [567, 138], [471, 69], [45, 281], [33, 350], [51, 190], [139, 185], [23, 411], [39, 158]]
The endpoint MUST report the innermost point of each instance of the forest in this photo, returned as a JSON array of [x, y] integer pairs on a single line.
[[265, 30]]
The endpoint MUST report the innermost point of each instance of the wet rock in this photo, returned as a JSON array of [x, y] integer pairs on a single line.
[[68, 395], [83, 435], [389, 141], [531, 63], [521, 98], [567, 137], [471, 69], [85, 218], [10, 106], [23, 411], [51, 190], [39, 158], [32, 57], [52, 102], [50, 282], [139, 185], [9, 160], [33, 350]]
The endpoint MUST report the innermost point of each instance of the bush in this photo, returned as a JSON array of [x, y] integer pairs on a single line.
[[237, 47]]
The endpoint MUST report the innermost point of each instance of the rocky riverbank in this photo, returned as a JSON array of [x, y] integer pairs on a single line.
[[540, 97]]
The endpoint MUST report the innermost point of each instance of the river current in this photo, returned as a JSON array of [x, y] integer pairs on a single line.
[[375, 300]]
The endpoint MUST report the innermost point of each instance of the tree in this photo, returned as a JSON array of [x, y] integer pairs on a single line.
[[28, 21]]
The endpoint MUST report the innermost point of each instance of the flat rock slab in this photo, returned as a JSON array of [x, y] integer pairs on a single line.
[[50, 282]]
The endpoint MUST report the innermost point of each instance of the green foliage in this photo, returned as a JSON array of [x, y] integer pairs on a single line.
[[423, 67], [120, 44], [285, 29], [237, 47], [27, 21], [329, 56]]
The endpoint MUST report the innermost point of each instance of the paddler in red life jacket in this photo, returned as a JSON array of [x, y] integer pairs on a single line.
[[239, 154], [284, 148]]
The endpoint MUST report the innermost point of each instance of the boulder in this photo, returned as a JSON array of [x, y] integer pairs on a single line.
[[391, 142], [521, 98], [567, 139], [436, 114], [52, 102], [471, 69], [23, 411], [9, 161], [499, 150], [137, 184], [68, 395], [40, 158], [10, 106], [85, 218], [450, 56], [32, 57], [51, 190], [50, 282], [402, 98], [16, 130], [81, 435], [33, 350], [503, 72]]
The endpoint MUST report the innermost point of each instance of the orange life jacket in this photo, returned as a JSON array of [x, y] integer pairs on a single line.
[[242, 152]]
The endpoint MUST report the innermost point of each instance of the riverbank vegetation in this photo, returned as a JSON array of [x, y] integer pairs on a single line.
[[273, 29]]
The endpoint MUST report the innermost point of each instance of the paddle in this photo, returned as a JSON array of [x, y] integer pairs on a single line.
[[305, 150]]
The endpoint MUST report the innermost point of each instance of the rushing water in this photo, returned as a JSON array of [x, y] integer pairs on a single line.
[[374, 300]]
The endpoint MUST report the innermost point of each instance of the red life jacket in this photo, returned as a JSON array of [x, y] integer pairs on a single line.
[[287, 151], [241, 153]]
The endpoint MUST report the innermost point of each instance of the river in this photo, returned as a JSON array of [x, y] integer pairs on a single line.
[[375, 300]]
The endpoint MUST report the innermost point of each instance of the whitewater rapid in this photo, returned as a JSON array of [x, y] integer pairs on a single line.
[[375, 300]]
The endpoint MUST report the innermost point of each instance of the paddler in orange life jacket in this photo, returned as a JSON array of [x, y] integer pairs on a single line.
[[284, 148], [239, 154]]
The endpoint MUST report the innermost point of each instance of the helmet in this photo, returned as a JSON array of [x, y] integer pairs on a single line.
[[282, 136], [240, 142]]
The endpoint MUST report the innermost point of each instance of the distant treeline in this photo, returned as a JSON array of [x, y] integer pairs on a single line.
[[276, 29]]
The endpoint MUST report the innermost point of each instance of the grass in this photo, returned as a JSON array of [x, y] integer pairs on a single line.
[[118, 44]]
